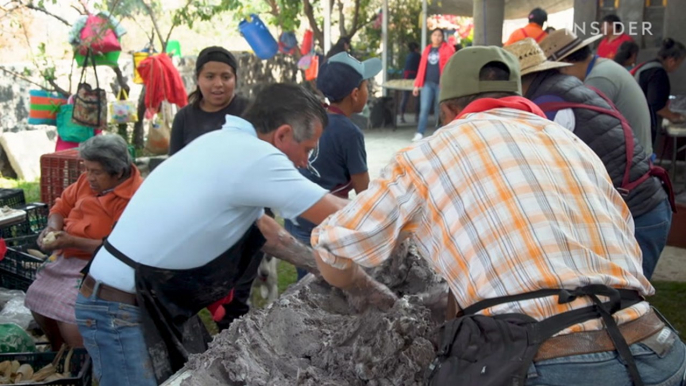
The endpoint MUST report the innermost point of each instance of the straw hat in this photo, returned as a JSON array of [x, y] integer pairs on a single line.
[[531, 57], [561, 43]]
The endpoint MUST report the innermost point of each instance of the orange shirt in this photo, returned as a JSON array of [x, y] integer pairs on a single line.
[[89, 215], [531, 30]]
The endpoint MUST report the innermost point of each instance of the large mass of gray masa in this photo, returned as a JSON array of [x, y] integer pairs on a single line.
[[313, 336]]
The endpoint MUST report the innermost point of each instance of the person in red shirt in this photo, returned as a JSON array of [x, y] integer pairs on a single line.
[[614, 37], [537, 17]]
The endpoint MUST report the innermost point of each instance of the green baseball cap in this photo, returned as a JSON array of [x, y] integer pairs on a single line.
[[461, 74]]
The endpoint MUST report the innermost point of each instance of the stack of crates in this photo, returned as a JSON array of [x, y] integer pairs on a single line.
[[58, 170], [14, 198], [18, 267]]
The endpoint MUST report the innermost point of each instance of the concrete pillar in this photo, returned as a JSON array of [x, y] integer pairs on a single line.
[[675, 19], [585, 13], [488, 22]]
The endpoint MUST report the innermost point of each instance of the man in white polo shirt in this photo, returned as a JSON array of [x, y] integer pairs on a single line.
[[193, 229]]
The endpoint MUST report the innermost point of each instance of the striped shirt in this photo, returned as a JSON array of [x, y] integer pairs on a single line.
[[500, 202]]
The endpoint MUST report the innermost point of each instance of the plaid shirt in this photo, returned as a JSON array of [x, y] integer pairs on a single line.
[[500, 203]]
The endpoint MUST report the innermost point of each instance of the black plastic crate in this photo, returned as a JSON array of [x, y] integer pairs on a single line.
[[12, 197], [13, 282], [36, 215], [16, 230], [80, 366], [17, 262]]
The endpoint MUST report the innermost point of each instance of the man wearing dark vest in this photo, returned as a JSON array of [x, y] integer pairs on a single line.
[[503, 202], [644, 187]]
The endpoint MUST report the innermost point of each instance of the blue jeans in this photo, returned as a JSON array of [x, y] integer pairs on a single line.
[[302, 236], [113, 336], [607, 368], [652, 229], [427, 97]]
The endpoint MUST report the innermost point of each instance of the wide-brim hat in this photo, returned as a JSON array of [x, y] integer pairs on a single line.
[[561, 43], [531, 57]]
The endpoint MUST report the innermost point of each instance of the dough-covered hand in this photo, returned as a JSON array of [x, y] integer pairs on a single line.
[[56, 240], [371, 294]]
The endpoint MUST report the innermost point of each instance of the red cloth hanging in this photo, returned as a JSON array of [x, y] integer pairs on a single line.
[[162, 82]]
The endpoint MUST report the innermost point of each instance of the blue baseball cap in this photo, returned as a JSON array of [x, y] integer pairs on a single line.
[[342, 73]]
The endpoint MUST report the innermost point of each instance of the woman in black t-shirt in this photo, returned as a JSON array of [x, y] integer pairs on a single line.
[[213, 99], [654, 81]]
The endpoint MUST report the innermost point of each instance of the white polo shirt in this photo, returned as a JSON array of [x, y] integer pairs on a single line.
[[199, 202]]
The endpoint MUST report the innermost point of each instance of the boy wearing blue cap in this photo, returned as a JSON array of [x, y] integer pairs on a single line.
[[339, 163]]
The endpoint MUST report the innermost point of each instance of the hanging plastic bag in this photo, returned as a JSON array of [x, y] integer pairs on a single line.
[[123, 110], [313, 70], [98, 36], [70, 131], [288, 43], [307, 44], [44, 107], [159, 132]]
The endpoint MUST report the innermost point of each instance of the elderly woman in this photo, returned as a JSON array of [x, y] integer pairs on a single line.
[[79, 220]]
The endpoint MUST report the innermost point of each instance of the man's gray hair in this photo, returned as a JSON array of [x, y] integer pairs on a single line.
[[110, 151]]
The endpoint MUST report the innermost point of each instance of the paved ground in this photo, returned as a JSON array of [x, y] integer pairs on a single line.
[[383, 143]]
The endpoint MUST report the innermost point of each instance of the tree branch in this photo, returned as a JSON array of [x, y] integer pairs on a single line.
[[274, 7], [341, 19], [316, 31], [148, 8], [120, 79], [45, 11], [359, 27], [52, 82], [166, 40], [356, 16]]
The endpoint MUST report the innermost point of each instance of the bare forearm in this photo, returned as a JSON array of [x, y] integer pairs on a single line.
[[56, 221], [283, 246], [84, 244]]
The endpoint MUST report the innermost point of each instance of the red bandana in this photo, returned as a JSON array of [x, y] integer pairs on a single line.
[[513, 102]]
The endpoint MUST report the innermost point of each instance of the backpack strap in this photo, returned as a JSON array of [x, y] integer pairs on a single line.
[[526, 35], [636, 71]]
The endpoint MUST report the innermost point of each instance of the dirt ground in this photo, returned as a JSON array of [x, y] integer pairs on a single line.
[[383, 143]]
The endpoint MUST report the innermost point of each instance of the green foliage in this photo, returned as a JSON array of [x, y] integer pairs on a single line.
[[31, 189], [403, 27]]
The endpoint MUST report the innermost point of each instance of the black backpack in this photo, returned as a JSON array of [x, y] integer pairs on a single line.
[[488, 351]]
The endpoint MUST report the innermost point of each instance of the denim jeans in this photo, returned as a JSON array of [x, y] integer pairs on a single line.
[[607, 368], [113, 336], [652, 229], [427, 97], [300, 235]]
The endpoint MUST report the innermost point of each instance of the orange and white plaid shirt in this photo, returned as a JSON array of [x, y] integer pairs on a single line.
[[500, 202]]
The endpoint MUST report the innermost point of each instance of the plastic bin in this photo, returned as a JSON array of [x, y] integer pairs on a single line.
[[58, 170], [12, 197], [18, 268], [80, 366], [36, 215]]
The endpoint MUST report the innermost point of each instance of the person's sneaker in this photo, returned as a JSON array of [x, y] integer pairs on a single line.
[[417, 137]]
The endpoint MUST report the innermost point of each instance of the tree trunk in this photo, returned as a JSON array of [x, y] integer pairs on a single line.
[[138, 130]]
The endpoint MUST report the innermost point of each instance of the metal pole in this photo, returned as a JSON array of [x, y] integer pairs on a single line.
[[327, 25], [385, 48], [424, 29]]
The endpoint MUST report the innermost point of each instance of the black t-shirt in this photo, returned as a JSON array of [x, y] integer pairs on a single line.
[[655, 85], [191, 122], [433, 72]]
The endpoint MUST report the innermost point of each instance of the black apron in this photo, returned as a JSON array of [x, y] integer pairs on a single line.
[[171, 299]]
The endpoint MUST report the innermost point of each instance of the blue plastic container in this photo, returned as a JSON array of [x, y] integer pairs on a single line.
[[258, 36]]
